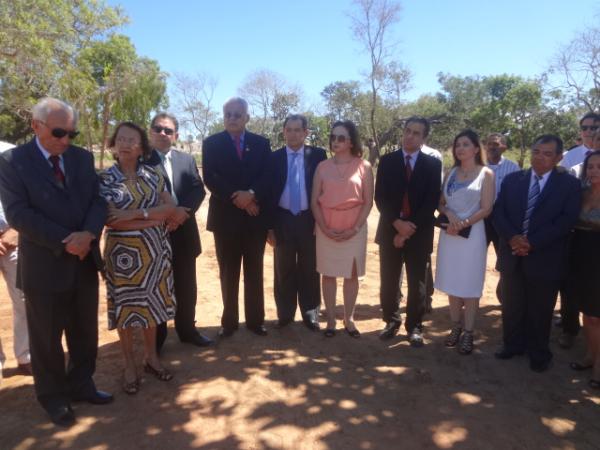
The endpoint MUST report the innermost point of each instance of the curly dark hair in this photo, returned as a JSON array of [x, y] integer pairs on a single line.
[[144, 143], [356, 148]]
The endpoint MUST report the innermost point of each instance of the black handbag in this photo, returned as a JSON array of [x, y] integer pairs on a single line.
[[442, 222]]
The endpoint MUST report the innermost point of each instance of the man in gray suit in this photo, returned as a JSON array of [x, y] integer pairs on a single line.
[[49, 190]]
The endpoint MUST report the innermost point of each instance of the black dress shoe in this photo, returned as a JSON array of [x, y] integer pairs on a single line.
[[199, 340], [283, 323], [504, 353], [226, 332], [259, 330], [312, 325], [540, 366], [390, 330], [95, 398], [62, 415]]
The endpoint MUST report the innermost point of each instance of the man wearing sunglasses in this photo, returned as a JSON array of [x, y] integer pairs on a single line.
[[235, 168], [186, 187], [49, 190], [573, 160]]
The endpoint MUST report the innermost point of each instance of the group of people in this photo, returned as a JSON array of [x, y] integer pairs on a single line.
[[313, 211]]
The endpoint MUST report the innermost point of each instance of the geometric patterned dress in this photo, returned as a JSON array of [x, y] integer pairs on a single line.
[[139, 273]]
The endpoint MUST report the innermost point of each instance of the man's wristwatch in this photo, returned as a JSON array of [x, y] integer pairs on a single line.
[[145, 213]]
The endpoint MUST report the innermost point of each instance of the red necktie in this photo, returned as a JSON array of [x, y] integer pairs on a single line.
[[238, 146], [405, 202], [58, 173]]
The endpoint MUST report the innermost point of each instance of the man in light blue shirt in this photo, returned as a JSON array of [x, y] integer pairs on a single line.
[[495, 146]]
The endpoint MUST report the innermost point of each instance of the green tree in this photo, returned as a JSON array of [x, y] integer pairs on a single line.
[[39, 42]]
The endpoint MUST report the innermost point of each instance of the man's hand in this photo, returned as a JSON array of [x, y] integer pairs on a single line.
[[404, 228], [10, 238], [179, 216], [242, 199], [116, 215], [399, 241], [78, 243], [252, 209], [519, 245]]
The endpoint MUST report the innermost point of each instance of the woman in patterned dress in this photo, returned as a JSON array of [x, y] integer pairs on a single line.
[[139, 278]]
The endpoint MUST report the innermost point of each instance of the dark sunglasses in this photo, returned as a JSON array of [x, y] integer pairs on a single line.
[[589, 127], [158, 129], [338, 137], [60, 133]]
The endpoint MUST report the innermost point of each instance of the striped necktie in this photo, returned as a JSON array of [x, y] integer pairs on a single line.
[[534, 193]]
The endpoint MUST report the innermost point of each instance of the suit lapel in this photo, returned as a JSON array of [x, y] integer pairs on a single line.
[[523, 190], [43, 166], [70, 174], [547, 189], [176, 169]]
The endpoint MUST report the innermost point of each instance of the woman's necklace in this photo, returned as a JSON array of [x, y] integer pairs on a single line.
[[465, 175], [341, 173]]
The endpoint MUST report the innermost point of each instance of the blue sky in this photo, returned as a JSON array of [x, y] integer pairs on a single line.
[[309, 42]]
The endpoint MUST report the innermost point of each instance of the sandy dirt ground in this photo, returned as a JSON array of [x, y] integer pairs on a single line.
[[295, 389]]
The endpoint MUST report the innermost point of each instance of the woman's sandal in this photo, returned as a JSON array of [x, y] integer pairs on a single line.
[[329, 332], [453, 337], [131, 388], [580, 367], [466, 343], [162, 374]]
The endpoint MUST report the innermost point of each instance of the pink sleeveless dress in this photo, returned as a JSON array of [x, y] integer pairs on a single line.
[[340, 201]]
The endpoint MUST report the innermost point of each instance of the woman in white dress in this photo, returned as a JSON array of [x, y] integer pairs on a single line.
[[467, 198]]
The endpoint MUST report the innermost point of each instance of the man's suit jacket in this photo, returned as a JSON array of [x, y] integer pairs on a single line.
[[44, 213], [555, 213], [423, 196], [225, 173], [278, 173], [189, 190]]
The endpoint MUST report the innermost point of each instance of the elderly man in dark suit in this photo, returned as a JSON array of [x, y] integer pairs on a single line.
[[533, 215], [49, 190], [407, 192], [235, 168], [292, 230], [186, 187]]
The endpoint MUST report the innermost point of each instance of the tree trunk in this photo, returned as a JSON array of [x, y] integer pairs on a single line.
[[105, 120]]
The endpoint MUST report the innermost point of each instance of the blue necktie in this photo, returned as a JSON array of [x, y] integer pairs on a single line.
[[294, 185], [534, 193]]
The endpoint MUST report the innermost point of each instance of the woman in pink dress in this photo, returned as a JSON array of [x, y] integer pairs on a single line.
[[342, 198]]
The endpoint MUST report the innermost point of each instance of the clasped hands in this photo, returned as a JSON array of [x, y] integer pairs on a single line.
[[519, 245], [246, 200], [340, 235], [455, 224], [404, 230], [8, 241], [78, 243]]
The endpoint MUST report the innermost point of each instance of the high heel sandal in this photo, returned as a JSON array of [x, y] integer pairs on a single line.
[[453, 338], [162, 374], [131, 387], [466, 343], [352, 333]]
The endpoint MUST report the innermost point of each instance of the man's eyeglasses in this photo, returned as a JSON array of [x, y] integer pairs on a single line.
[[158, 129], [60, 133], [338, 137], [235, 115], [589, 127]]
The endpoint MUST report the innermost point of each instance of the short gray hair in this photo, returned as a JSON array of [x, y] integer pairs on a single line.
[[239, 101], [48, 104]]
